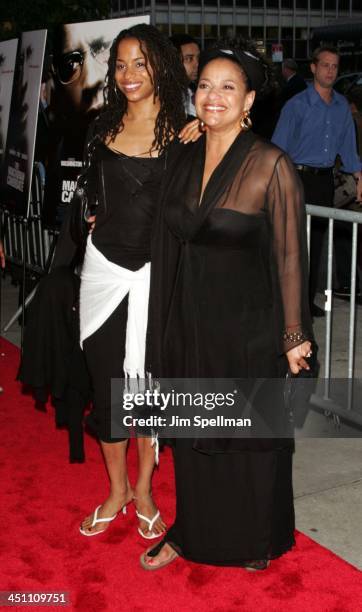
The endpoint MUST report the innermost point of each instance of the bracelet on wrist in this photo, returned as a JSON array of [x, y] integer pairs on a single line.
[[292, 337]]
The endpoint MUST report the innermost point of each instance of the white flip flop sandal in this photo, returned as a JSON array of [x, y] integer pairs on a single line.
[[150, 523], [97, 520]]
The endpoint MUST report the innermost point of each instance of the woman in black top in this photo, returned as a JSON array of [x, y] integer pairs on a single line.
[[229, 300], [143, 112]]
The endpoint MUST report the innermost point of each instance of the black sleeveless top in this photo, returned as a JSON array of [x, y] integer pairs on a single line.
[[128, 196]]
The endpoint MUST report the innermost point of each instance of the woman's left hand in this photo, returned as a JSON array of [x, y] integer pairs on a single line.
[[296, 357], [2, 255], [92, 223], [190, 132]]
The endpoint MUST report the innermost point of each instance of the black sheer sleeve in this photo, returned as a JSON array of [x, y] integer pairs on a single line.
[[288, 225], [165, 251]]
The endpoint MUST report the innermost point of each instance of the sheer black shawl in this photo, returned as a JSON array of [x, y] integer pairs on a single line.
[[253, 177]]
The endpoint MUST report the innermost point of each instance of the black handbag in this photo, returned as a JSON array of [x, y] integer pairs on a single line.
[[85, 197]]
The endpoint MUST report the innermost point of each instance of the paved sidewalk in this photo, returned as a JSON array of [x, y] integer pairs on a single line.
[[327, 472]]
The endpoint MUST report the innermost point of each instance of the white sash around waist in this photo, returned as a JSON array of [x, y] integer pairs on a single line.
[[103, 287]]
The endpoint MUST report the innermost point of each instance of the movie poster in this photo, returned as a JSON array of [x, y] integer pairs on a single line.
[[79, 67], [19, 152], [7, 69]]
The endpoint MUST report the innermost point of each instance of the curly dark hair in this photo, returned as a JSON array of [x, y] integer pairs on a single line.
[[169, 81]]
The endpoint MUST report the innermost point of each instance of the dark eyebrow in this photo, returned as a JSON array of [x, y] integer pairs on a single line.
[[135, 60], [223, 80], [98, 43]]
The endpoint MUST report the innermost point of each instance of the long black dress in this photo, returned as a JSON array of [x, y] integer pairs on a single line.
[[228, 278]]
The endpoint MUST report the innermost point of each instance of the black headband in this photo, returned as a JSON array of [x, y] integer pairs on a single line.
[[251, 64]]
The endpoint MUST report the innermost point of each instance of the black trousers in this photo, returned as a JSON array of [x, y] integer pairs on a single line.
[[318, 190], [105, 352]]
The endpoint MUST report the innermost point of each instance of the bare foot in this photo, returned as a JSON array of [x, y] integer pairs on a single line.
[[146, 506], [162, 558], [256, 565], [113, 504]]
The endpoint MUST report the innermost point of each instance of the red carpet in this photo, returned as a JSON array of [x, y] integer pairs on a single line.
[[44, 498]]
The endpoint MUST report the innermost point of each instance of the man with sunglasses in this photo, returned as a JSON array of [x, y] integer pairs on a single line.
[[80, 65]]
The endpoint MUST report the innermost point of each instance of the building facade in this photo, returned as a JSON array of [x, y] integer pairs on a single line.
[[289, 22]]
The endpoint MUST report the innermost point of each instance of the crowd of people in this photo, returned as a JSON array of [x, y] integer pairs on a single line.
[[196, 266]]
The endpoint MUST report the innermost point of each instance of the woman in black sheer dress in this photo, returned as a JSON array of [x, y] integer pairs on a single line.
[[228, 300]]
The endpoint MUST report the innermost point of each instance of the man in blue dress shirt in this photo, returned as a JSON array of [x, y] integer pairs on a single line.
[[314, 127]]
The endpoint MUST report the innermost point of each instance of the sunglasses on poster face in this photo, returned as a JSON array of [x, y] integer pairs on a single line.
[[70, 65]]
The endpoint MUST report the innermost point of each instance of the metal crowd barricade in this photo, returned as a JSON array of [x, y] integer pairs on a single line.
[[38, 250], [28, 245], [325, 402], [38, 240]]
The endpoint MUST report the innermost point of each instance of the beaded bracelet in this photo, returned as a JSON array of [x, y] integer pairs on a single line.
[[296, 336]]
